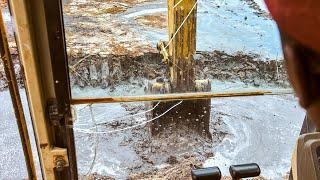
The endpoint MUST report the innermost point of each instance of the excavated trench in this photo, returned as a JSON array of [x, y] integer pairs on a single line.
[[114, 70]]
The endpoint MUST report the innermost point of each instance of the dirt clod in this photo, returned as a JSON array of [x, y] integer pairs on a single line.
[[172, 160]]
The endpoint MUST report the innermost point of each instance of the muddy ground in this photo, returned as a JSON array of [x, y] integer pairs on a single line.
[[169, 155], [259, 11], [106, 52], [112, 70], [142, 156]]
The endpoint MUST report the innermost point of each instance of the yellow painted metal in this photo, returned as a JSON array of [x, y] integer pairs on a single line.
[[162, 49], [32, 41], [182, 47], [176, 96], [16, 100]]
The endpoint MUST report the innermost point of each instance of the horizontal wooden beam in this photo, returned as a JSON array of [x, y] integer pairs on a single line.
[[176, 96]]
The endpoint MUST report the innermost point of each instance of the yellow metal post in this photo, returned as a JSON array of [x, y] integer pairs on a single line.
[[182, 43], [193, 114], [32, 41], [16, 100]]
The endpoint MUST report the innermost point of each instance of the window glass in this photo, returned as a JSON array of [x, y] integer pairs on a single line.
[[116, 140], [112, 47]]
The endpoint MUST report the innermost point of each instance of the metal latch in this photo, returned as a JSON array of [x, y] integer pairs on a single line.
[[53, 111], [59, 158]]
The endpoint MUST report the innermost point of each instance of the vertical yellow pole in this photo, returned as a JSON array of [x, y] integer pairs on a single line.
[[29, 23], [182, 31], [16, 100]]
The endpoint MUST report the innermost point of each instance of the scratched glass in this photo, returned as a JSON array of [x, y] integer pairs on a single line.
[[123, 140]]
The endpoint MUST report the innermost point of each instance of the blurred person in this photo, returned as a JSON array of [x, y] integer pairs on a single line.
[[299, 26]]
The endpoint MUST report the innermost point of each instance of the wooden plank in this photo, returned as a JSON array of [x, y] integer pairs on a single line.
[[176, 96]]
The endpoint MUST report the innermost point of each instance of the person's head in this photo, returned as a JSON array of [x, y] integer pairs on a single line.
[[299, 25]]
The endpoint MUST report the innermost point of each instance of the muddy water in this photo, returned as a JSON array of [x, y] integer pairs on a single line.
[[245, 130], [263, 130], [264, 134], [224, 25]]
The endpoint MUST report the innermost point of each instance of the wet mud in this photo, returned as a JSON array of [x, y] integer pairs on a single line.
[[112, 70]]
